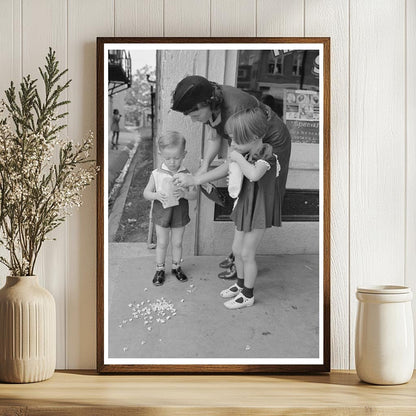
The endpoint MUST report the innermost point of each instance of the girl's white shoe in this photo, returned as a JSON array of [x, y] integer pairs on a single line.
[[243, 302], [228, 293]]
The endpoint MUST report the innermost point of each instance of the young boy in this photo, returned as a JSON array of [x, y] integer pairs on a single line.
[[170, 204]]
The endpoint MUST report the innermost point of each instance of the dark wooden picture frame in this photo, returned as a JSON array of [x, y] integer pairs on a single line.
[[324, 263]]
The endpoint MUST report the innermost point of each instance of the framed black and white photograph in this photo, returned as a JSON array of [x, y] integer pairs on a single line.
[[213, 195]]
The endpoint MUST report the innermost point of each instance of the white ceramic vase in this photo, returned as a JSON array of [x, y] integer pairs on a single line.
[[384, 340], [27, 331]]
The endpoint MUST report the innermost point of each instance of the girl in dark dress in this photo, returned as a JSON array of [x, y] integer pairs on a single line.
[[258, 206]]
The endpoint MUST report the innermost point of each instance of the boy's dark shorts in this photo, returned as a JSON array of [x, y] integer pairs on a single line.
[[172, 217]]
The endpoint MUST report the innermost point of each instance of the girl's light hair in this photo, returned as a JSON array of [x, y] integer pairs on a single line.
[[247, 125], [171, 139]]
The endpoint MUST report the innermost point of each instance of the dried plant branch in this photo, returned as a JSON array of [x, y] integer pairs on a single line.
[[41, 176]]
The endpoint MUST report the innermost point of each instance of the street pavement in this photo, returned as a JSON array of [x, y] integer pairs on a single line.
[[283, 323]]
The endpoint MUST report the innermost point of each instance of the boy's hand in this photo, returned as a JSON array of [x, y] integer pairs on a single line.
[[161, 197], [179, 193]]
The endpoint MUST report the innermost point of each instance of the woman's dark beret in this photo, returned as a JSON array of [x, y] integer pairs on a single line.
[[191, 91]]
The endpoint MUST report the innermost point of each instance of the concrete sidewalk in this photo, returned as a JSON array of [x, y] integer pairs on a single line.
[[283, 323]]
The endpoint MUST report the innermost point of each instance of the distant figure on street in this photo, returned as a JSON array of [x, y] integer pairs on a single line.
[[115, 128]]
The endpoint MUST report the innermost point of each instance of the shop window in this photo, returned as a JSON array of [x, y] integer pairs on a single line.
[[297, 63], [276, 64], [299, 205]]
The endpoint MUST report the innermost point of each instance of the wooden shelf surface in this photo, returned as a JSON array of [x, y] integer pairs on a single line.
[[87, 393]]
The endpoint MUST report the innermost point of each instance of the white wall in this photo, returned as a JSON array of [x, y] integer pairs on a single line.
[[373, 132]]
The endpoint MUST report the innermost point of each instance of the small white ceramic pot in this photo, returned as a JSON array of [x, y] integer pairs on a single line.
[[384, 338]]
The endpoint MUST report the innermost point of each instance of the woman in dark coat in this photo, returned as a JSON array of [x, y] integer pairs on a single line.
[[212, 104]]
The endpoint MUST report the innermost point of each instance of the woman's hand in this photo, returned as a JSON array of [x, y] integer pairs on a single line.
[[183, 180], [203, 169]]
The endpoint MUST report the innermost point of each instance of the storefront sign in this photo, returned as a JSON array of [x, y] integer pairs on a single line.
[[301, 115]]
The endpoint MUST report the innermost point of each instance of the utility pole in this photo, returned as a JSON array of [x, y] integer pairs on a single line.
[[150, 243], [152, 104]]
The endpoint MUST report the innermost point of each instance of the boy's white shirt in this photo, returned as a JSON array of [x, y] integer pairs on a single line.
[[163, 183], [181, 168], [156, 172]]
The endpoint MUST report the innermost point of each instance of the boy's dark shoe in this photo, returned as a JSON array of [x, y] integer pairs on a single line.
[[159, 278], [180, 275], [229, 274], [227, 262]]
